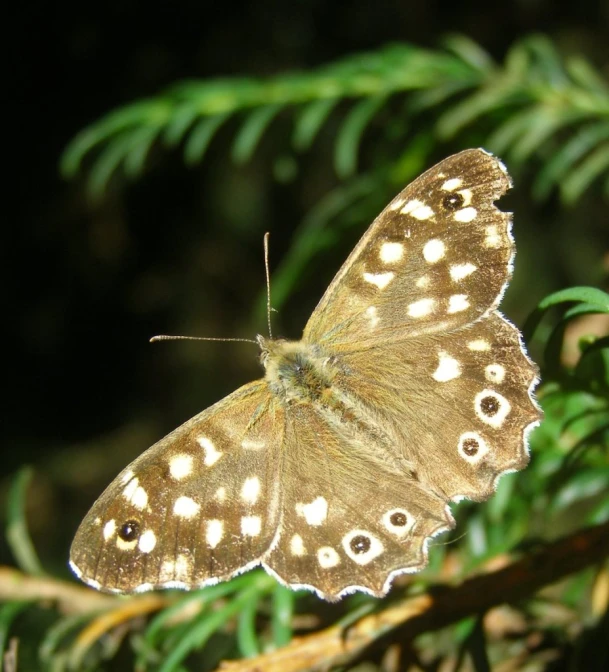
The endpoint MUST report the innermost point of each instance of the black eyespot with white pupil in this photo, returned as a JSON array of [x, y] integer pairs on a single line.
[[489, 406], [453, 202], [360, 544], [398, 519], [470, 446], [129, 531]]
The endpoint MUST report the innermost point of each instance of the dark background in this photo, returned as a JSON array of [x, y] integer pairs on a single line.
[[180, 250]]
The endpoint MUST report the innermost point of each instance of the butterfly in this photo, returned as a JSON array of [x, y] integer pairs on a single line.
[[408, 391]]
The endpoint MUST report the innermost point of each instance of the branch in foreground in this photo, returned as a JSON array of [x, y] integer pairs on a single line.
[[69, 598], [437, 608]]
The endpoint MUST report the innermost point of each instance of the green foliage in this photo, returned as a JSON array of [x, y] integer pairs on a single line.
[[536, 105], [16, 529], [536, 108]]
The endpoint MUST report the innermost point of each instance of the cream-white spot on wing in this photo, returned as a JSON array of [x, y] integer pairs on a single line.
[[433, 250], [422, 213], [220, 495], [252, 444], [147, 541], [297, 547], [130, 489], [391, 252], [472, 447], [492, 408], [465, 215], [186, 507], [315, 512], [212, 455], [457, 303], [452, 184], [493, 239], [381, 280], [180, 466], [327, 557], [250, 490], [214, 532], [371, 314], [467, 196], [460, 271], [421, 308], [140, 498], [479, 345], [396, 205], [109, 529], [127, 476], [495, 373], [448, 368], [362, 555], [251, 526], [125, 545], [410, 206], [423, 282]]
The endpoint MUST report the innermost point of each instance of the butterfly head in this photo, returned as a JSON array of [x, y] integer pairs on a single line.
[[267, 347]]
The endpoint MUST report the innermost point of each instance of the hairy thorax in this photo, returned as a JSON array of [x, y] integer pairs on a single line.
[[299, 372]]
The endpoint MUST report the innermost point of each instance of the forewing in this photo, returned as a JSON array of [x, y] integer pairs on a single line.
[[459, 406], [437, 257], [200, 505], [351, 520]]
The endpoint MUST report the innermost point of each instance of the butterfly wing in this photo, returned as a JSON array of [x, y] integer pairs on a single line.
[[177, 516], [458, 405], [438, 257], [353, 515], [438, 381]]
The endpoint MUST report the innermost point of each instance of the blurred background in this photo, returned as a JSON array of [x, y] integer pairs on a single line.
[[177, 248]]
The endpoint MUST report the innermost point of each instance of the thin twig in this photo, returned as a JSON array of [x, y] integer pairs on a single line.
[[339, 644], [121, 614], [437, 608], [69, 598]]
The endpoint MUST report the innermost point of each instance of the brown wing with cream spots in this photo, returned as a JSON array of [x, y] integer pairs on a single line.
[[438, 257], [458, 406], [200, 505], [353, 516], [429, 420]]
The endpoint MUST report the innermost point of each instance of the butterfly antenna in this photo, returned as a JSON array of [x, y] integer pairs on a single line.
[[165, 337], [268, 283]]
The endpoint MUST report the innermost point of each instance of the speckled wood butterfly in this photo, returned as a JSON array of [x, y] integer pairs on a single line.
[[407, 391]]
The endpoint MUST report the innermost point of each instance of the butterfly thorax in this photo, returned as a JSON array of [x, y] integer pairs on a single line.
[[297, 371], [306, 375]]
